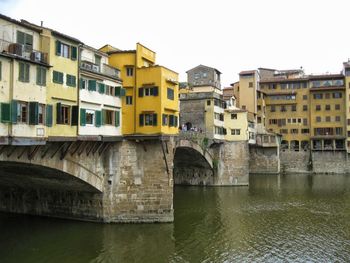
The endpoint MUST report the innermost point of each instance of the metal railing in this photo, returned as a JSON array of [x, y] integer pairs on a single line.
[[23, 51], [105, 69]]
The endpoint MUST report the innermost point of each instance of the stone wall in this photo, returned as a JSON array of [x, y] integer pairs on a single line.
[[232, 159], [264, 160], [330, 162], [295, 162]]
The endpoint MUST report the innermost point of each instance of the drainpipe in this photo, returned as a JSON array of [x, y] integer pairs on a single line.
[[12, 70], [135, 92], [78, 88]]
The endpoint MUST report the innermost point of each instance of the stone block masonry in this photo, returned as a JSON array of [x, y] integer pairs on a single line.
[[264, 160]]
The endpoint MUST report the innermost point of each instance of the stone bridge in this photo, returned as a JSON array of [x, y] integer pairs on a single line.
[[120, 181]]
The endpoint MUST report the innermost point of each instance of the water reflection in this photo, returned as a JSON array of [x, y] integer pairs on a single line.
[[293, 218]]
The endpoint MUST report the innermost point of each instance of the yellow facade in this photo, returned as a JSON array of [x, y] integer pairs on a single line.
[[151, 112], [61, 92], [236, 124]]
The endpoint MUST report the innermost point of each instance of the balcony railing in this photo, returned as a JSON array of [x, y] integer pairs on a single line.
[[105, 69], [26, 52]]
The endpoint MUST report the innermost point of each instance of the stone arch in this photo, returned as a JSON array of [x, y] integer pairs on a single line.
[[192, 164]]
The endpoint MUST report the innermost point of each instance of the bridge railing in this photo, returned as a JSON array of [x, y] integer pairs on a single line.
[[201, 138]]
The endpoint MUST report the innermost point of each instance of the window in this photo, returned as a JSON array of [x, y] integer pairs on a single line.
[[337, 106], [338, 131], [22, 112], [328, 118], [26, 40], [98, 60], [283, 108], [318, 107], [273, 108], [294, 107], [71, 80], [305, 131], [304, 107], [165, 120], [235, 131], [57, 77], [318, 96], [318, 119], [64, 115], [243, 107], [64, 50], [304, 97], [129, 71], [23, 73], [328, 107], [208, 102], [148, 91], [259, 119], [170, 94], [294, 131], [250, 84], [304, 121], [259, 108], [233, 116], [283, 85], [108, 117], [283, 131], [337, 95], [90, 117], [327, 95], [41, 76], [41, 114], [128, 100], [148, 119], [337, 118]]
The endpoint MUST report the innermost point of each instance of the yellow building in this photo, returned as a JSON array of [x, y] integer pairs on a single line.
[[150, 106], [62, 91], [23, 81], [236, 124]]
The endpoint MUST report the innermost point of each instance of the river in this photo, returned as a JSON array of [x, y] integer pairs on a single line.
[[290, 218]]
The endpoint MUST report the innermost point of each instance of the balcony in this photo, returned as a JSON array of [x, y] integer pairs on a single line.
[[22, 51], [103, 69]]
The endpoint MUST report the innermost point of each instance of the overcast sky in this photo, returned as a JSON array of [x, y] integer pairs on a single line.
[[230, 35]]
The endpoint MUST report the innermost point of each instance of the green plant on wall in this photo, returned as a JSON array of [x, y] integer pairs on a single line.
[[215, 164]]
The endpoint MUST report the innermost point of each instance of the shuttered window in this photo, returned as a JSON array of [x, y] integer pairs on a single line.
[[71, 80], [49, 117], [75, 117], [33, 113], [82, 117], [23, 72], [117, 118], [92, 85], [170, 94], [101, 88], [41, 76], [26, 40], [117, 91], [57, 77], [5, 112], [73, 53], [148, 119], [98, 118]]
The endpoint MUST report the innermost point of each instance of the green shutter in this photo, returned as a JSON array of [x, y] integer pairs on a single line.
[[60, 77], [117, 118], [103, 117], [81, 83], [98, 118], [48, 115], [101, 88], [33, 113], [57, 77], [155, 119], [73, 53], [0, 70], [122, 92], [155, 91], [92, 85], [20, 37], [82, 117], [175, 122], [58, 48], [117, 91], [21, 71], [141, 121], [140, 92], [27, 66], [75, 117], [171, 120], [5, 112], [14, 111], [58, 113]]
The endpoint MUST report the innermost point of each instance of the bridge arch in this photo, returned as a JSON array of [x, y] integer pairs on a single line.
[[192, 164]]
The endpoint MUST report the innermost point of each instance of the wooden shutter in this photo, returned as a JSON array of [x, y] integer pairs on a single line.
[[103, 117], [122, 92], [5, 112], [141, 119], [155, 119], [101, 88], [58, 48], [117, 118], [82, 117], [26, 66], [171, 120], [20, 37], [14, 111], [73, 53], [58, 113], [48, 115], [75, 117], [140, 92], [155, 91], [98, 118], [92, 85], [21, 71], [117, 91], [176, 121], [60, 77], [33, 113], [81, 83]]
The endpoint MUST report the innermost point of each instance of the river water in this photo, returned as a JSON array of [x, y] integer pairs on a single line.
[[290, 218]]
